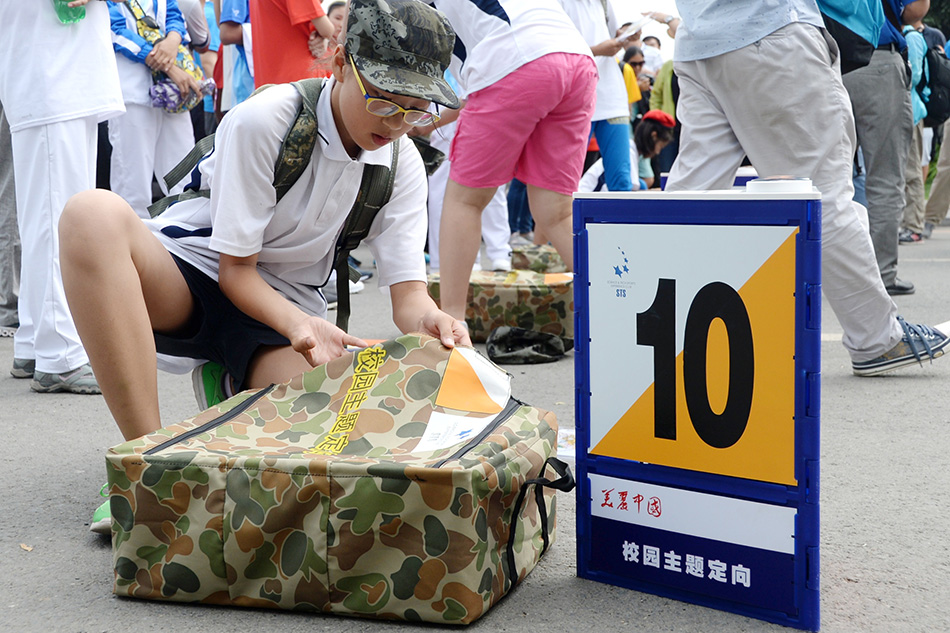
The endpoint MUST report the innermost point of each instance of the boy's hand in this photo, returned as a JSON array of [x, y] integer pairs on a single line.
[[444, 327], [319, 341]]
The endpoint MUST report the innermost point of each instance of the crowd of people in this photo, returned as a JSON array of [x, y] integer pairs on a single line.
[[531, 101]]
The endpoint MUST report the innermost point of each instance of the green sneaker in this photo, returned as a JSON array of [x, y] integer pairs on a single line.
[[102, 517], [208, 383]]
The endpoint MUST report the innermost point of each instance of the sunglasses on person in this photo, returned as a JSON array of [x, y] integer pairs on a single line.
[[386, 108]]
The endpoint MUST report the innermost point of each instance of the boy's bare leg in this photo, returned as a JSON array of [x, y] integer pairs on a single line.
[[272, 364], [121, 284], [552, 213], [459, 240]]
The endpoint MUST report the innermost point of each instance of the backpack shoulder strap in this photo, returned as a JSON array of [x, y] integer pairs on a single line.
[[185, 166], [376, 187], [296, 149]]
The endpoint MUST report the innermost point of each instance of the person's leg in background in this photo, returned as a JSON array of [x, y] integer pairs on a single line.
[[519, 215], [134, 138], [884, 122], [176, 137], [495, 232], [858, 176], [939, 201], [613, 138], [9, 235], [52, 162], [912, 219]]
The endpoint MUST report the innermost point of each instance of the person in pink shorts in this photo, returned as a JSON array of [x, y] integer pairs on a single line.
[[531, 82]]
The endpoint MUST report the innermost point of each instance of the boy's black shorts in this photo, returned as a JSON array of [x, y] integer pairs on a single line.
[[218, 330]]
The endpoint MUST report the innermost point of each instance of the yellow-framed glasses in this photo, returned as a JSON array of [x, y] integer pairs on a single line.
[[386, 108]]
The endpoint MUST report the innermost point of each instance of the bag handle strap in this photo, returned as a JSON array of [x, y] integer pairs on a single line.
[[564, 482], [144, 24]]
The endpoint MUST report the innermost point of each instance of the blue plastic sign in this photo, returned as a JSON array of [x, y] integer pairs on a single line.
[[697, 370]]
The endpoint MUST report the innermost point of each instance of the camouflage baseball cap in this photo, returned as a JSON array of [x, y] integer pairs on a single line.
[[402, 47]]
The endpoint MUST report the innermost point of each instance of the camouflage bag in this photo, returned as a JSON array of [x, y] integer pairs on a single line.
[[540, 258], [520, 298], [400, 482]]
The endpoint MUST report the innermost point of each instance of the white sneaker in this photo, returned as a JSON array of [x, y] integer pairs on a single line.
[[7, 331], [501, 265], [356, 286]]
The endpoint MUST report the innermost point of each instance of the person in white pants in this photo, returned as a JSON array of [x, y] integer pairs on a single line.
[[495, 230], [57, 81], [728, 88], [9, 236], [146, 140]]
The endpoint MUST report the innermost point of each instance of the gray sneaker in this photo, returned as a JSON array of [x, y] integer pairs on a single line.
[[7, 331], [79, 380], [23, 368]]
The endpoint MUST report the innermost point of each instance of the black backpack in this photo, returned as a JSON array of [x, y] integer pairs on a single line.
[[296, 150], [936, 76]]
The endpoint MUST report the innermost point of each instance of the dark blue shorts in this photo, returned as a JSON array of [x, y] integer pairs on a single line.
[[218, 331]]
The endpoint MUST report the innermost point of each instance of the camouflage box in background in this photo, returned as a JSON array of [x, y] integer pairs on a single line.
[[382, 484], [541, 258], [520, 298]]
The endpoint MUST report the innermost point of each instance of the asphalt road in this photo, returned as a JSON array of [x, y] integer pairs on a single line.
[[885, 564]]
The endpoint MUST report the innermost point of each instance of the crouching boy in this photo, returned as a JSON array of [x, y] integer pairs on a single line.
[[234, 279]]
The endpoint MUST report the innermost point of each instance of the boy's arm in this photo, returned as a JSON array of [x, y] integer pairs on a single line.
[[318, 340], [415, 311]]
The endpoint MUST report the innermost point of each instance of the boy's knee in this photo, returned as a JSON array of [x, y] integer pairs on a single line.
[[91, 218]]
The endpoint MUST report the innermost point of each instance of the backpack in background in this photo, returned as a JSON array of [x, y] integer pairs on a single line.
[[936, 76]]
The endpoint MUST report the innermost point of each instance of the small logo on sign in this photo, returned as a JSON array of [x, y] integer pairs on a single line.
[[623, 268]]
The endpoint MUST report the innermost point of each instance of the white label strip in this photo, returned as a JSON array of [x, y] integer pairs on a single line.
[[725, 519]]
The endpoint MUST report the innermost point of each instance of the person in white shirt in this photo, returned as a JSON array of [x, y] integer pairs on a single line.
[[235, 278], [57, 82], [740, 96]]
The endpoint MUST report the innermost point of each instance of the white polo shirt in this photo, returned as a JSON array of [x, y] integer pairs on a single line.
[[294, 238]]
